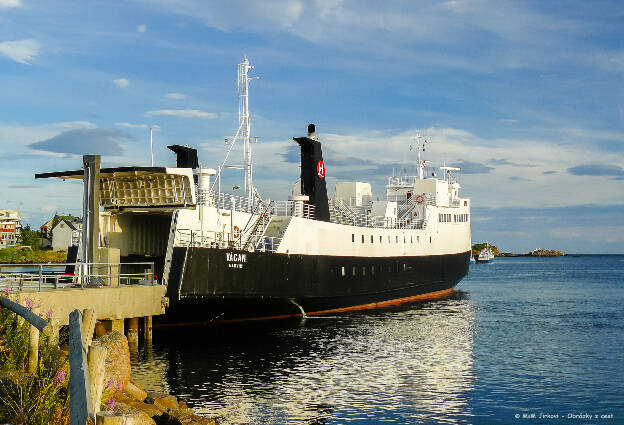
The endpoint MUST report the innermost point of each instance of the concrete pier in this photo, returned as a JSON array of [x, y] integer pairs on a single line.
[[111, 305]]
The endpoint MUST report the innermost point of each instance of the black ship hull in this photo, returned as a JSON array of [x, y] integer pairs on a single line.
[[208, 284]]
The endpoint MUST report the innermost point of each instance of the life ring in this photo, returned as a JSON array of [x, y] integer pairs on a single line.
[[420, 199], [236, 231]]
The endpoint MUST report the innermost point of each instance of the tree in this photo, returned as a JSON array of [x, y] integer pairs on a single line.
[[478, 247], [30, 238]]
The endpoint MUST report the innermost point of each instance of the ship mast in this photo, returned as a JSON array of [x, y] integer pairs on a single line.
[[419, 144], [243, 132], [244, 124]]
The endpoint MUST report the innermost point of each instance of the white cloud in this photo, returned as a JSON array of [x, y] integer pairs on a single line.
[[176, 96], [131, 125], [122, 83], [183, 113], [75, 124], [22, 51], [142, 28], [7, 4], [612, 234], [23, 135], [375, 153]]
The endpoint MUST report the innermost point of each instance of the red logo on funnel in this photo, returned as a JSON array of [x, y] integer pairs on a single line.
[[320, 169]]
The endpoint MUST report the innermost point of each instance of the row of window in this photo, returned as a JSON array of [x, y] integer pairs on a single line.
[[372, 239], [454, 218], [384, 268], [460, 218]]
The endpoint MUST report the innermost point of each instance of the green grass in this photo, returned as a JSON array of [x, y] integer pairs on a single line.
[[24, 256], [30, 399]]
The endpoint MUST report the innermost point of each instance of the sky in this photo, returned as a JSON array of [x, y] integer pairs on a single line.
[[526, 97]]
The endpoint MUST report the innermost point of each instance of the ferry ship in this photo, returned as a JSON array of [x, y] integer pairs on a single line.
[[227, 257]]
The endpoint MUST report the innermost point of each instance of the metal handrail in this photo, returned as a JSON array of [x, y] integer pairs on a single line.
[[89, 274]]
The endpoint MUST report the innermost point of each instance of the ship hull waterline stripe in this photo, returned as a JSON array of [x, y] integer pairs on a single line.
[[370, 306]]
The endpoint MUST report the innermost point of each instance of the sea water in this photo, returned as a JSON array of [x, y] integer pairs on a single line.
[[523, 341]]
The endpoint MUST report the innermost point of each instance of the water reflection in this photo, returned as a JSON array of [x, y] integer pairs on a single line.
[[406, 365]]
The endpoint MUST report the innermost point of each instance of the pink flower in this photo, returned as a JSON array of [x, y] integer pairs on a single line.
[[29, 303], [110, 404], [6, 290], [49, 314], [110, 384], [119, 386], [60, 377]]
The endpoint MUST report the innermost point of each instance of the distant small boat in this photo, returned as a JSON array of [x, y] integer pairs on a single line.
[[486, 255], [472, 259]]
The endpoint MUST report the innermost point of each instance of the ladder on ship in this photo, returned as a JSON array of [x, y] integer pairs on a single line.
[[343, 214], [259, 227], [170, 243]]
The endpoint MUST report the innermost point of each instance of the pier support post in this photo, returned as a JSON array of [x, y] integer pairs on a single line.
[[117, 325], [33, 349], [91, 208], [114, 325], [147, 329], [133, 330]]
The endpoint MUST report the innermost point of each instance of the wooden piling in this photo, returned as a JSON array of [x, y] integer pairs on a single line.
[[97, 364], [81, 403], [33, 349], [88, 325], [52, 331]]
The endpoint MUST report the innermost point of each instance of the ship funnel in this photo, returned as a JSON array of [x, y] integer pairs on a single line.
[[313, 173], [186, 157]]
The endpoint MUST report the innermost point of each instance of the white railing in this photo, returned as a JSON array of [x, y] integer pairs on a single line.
[[223, 240], [341, 214], [289, 208], [402, 180], [238, 203], [91, 274]]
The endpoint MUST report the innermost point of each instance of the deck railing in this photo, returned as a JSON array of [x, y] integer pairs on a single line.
[[223, 240], [84, 275], [228, 201]]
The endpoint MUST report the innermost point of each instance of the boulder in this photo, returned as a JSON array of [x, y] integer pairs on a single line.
[[149, 409], [138, 417], [134, 390], [162, 400], [188, 417], [117, 367]]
